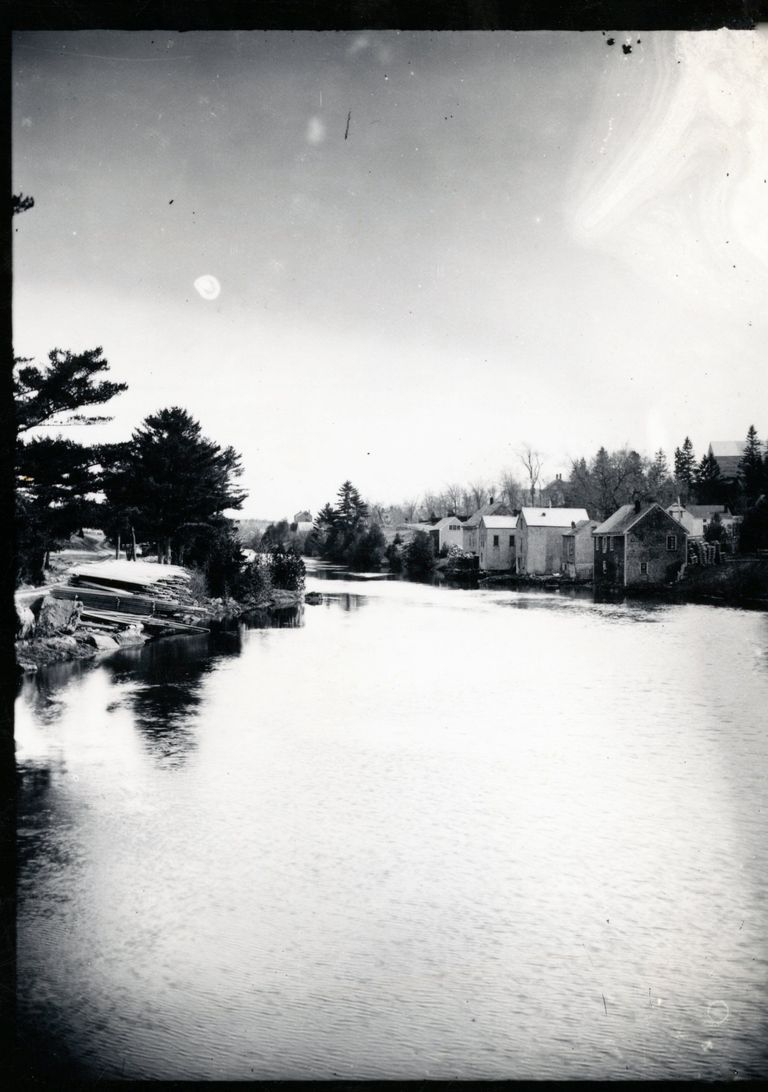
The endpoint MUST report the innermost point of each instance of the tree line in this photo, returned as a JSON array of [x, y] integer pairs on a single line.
[[603, 482], [165, 489]]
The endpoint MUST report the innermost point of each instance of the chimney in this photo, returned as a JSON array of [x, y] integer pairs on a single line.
[[637, 504], [573, 525], [491, 500]]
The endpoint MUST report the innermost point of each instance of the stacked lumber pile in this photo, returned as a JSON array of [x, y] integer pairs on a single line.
[[120, 594]]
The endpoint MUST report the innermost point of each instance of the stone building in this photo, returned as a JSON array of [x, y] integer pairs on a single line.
[[639, 545]]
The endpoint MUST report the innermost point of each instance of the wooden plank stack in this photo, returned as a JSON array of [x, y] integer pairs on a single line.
[[115, 597]]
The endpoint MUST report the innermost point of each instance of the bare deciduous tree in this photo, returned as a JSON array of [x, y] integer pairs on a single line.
[[454, 496], [410, 507], [510, 490], [532, 462], [480, 493]]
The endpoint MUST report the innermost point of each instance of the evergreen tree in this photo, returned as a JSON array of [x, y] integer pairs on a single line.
[[213, 547], [419, 554], [55, 484], [751, 467], [21, 203], [580, 485], [685, 468], [326, 533], [56, 479], [343, 532], [660, 485], [351, 509], [179, 481], [65, 385], [708, 486]]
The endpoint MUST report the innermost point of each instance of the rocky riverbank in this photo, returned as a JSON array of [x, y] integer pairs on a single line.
[[82, 621]]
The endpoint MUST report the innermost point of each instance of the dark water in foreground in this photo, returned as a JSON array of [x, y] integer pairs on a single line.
[[426, 833]]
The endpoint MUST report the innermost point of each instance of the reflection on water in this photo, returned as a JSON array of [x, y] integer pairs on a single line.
[[472, 834]]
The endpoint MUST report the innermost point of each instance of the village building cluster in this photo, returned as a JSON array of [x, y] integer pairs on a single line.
[[639, 544]]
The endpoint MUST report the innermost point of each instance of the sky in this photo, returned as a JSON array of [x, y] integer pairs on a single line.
[[400, 257]]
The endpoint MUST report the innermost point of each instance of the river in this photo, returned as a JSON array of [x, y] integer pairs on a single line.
[[409, 832]]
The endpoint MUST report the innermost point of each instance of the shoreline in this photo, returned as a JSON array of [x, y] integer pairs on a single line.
[[86, 643]]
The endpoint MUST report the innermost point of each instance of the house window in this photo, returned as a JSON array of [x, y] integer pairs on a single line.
[[605, 566], [671, 542], [511, 542], [644, 566], [496, 542], [454, 527], [605, 547], [610, 543]]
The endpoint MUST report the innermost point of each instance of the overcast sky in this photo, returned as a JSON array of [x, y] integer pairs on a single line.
[[427, 248]]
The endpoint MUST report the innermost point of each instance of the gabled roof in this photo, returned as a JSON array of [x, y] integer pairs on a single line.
[[706, 511], [450, 519], [692, 523], [727, 448], [495, 522], [553, 517], [488, 509], [624, 518], [581, 525]]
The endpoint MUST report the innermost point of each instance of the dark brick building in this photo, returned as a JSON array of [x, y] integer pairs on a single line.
[[639, 545]]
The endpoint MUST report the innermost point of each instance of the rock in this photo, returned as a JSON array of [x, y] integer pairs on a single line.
[[58, 616], [313, 597], [25, 622], [50, 650], [133, 636], [280, 597], [102, 641]]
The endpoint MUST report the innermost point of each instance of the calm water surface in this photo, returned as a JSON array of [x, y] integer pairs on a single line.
[[420, 832]]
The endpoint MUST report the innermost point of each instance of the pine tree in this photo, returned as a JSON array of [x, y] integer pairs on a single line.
[[751, 468], [660, 484], [351, 509], [65, 385], [708, 486], [178, 480], [55, 478], [343, 534], [685, 467]]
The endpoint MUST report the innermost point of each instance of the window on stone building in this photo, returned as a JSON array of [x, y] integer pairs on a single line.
[[496, 541], [671, 542], [644, 566]]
